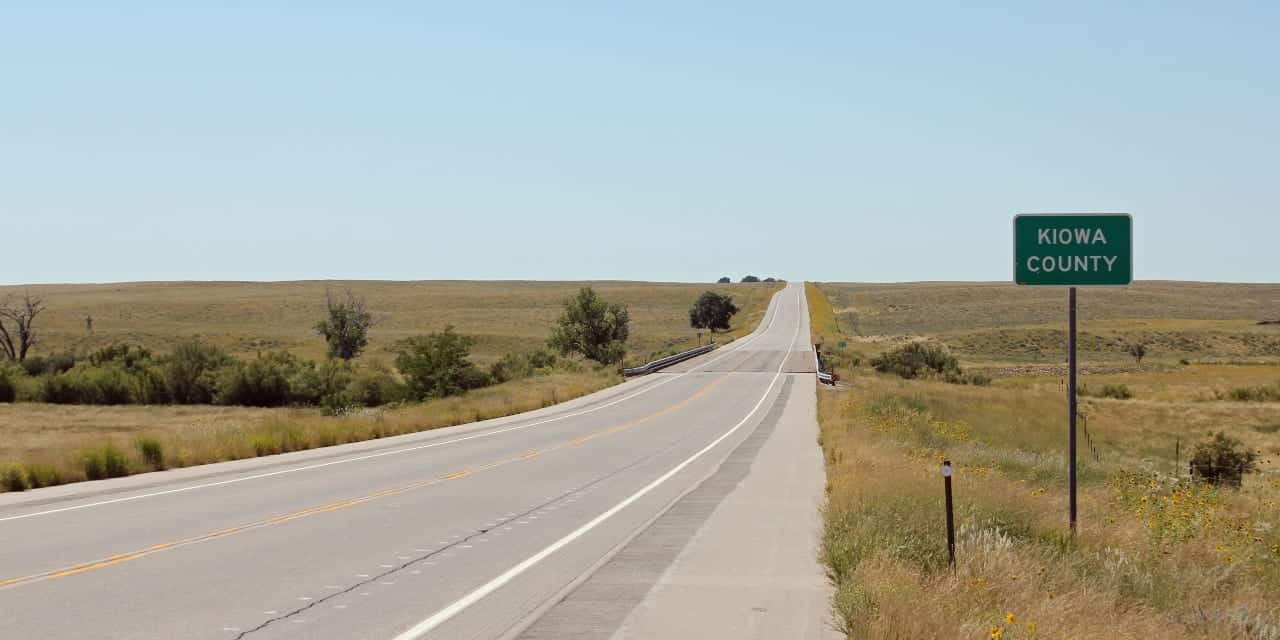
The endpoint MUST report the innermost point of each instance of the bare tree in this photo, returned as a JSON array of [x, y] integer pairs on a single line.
[[17, 320]]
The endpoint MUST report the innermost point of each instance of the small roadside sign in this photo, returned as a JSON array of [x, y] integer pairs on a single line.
[[1073, 249], [842, 344]]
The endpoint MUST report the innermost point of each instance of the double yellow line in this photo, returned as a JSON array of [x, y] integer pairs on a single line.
[[342, 504]]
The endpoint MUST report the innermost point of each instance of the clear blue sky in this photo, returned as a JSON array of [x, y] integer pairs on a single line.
[[662, 141]]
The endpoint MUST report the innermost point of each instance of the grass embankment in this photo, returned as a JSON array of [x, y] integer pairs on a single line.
[[57, 444], [42, 444], [1156, 557]]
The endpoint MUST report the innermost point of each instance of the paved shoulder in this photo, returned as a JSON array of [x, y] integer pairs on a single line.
[[734, 558]]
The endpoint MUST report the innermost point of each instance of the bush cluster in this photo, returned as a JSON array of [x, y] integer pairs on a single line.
[[8, 390], [1255, 394], [926, 360], [520, 365], [429, 366], [916, 360], [1223, 460], [437, 365], [1114, 391]]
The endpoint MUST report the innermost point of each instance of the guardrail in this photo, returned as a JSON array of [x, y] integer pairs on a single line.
[[668, 361], [824, 378]]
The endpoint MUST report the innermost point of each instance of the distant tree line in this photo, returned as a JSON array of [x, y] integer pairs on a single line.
[[747, 279]]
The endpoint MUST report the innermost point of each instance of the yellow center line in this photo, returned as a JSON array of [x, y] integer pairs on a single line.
[[343, 504]]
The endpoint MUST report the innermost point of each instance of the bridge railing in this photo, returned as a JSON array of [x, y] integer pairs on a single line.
[[662, 363], [824, 378]]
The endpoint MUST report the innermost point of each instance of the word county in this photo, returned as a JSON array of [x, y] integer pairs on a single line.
[[1066, 264]]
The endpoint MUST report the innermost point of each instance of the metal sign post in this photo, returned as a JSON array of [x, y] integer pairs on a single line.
[[1072, 250], [1071, 402]]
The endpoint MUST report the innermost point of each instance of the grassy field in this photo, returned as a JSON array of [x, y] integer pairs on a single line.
[[52, 442], [999, 324], [247, 317], [1156, 556]]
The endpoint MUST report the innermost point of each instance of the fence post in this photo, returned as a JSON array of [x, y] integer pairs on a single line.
[[951, 528]]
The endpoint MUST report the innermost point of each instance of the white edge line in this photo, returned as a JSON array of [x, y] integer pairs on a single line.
[[461, 604], [208, 485]]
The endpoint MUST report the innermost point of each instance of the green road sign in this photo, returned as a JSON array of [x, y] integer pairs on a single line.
[[841, 344], [1073, 249]]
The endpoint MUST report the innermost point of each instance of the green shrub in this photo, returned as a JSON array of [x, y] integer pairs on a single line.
[[152, 452], [56, 389], [44, 475], [35, 365], [190, 372], [261, 382], [509, 367], [1223, 461], [1116, 391], [325, 385], [87, 384], [8, 390], [514, 366], [542, 359], [130, 357], [436, 365], [106, 461], [149, 386], [374, 386], [102, 385], [916, 359], [53, 364], [13, 478]]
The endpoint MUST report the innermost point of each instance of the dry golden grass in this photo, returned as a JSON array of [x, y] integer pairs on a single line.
[[1155, 557], [1203, 382], [246, 317], [997, 323], [53, 438]]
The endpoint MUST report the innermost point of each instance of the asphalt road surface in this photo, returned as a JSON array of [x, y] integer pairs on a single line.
[[681, 504]]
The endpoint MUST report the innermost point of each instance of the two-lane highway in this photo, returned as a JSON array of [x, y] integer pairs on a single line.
[[487, 530]]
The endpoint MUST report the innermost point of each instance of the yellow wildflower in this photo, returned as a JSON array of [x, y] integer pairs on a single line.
[[1010, 618], [996, 632]]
